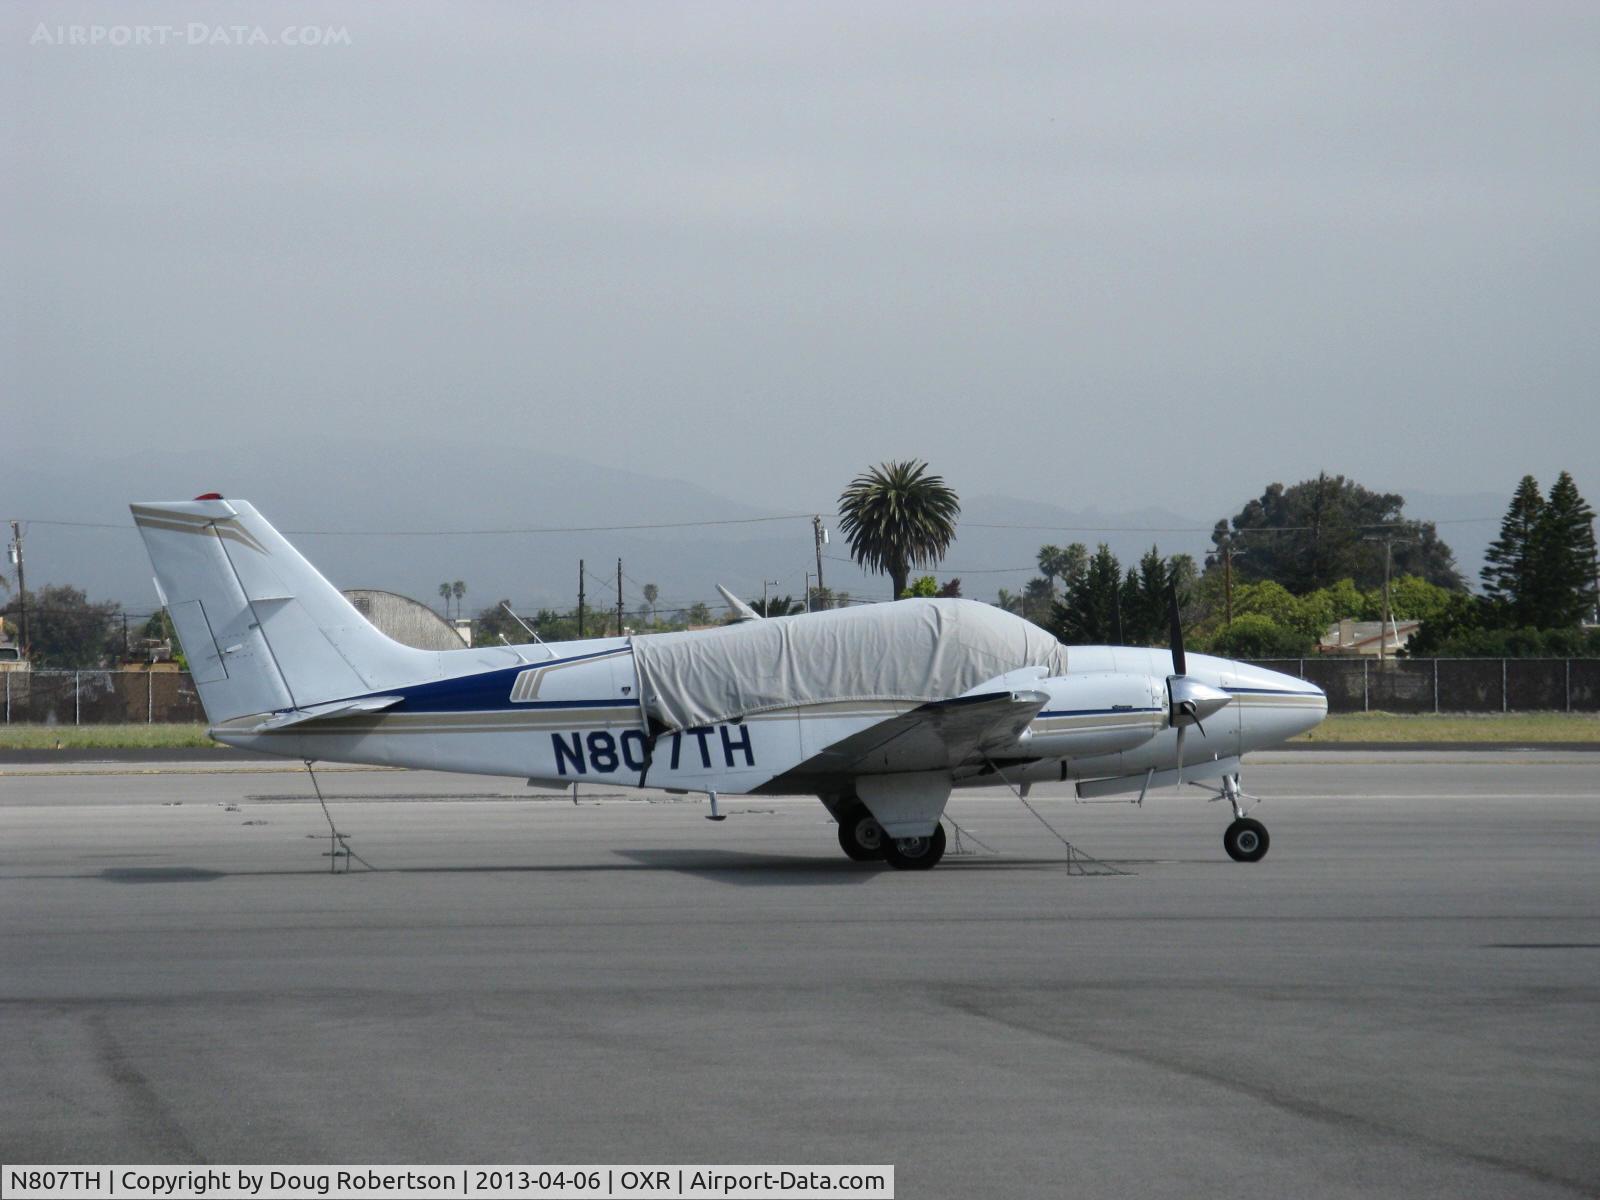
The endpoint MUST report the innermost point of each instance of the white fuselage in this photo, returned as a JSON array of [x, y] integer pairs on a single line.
[[570, 712]]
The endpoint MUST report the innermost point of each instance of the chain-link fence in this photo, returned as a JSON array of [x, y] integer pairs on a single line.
[[1424, 685], [100, 698], [1464, 685]]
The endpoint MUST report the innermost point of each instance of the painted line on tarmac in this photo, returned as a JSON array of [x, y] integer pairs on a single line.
[[1439, 758], [112, 772], [1498, 797]]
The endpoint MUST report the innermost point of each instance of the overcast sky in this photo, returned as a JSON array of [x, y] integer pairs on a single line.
[[1111, 254]]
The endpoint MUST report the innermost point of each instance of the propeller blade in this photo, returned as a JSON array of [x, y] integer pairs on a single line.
[[1182, 729], [1179, 663]]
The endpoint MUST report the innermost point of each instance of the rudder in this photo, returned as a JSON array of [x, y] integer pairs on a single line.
[[262, 629]]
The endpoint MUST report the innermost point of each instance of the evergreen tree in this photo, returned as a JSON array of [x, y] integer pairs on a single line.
[[1511, 564], [1566, 556], [1127, 617], [1073, 563], [1088, 613], [1146, 625]]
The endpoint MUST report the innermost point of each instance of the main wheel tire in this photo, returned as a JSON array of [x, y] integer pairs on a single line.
[[1246, 840], [915, 854], [861, 837]]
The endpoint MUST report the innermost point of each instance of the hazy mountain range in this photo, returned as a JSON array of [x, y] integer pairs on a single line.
[[372, 515]]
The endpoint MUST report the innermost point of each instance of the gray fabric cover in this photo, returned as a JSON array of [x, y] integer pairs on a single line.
[[915, 650]]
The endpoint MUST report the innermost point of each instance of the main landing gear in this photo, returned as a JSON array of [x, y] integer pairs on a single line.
[[915, 853], [860, 835], [1246, 839], [863, 840]]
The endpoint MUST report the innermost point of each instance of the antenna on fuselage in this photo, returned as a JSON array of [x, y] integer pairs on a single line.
[[533, 633]]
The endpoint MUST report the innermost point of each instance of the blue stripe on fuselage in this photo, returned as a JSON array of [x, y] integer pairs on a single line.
[[490, 691]]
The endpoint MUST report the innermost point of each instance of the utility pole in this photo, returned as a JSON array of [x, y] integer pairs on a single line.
[[764, 583], [819, 536], [808, 591], [1387, 624], [22, 586], [1227, 580], [580, 597], [619, 597]]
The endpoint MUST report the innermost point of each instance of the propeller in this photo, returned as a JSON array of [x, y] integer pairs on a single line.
[[1180, 665], [1189, 701]]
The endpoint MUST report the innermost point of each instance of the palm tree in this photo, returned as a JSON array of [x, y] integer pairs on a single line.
[[458, 590], [1037, 598], [651, 591], [1009, 601], [898, 517], [444, 594], [777, 606], [1050, 564]]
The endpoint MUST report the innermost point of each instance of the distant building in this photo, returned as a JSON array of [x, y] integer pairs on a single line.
[[409, 622], [1367, 637]]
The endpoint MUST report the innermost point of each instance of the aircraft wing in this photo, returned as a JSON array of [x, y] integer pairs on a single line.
[[937, 736], [1193, 773]]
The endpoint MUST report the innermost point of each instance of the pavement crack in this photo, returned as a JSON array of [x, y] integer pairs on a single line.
[[152, 1119], [1295, 1105]]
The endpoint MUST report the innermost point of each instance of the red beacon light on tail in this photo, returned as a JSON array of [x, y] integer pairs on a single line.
[[209, 496]]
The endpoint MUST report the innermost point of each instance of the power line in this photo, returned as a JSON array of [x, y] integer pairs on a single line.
[[538, 529], [550, 529], [1212, 528]]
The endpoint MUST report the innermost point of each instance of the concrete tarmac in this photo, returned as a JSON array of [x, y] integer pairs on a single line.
[[1403, 998]]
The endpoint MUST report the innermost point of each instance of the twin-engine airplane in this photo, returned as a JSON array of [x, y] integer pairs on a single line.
[[879, 711]]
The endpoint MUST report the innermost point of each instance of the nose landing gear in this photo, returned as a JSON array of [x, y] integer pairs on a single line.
[[1246, 839]]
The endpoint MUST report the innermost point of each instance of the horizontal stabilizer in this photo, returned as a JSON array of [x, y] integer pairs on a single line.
[[1090, 788], [326, 712], [741, 610]]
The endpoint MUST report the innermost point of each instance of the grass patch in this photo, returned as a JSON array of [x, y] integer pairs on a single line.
[[1445, 728], [105, 737]]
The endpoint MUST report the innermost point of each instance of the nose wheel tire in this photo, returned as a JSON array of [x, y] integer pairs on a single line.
[[915, 853], [861, 837], [1246, 840]]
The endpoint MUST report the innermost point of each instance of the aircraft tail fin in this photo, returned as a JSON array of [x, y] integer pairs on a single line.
[[262, 629]]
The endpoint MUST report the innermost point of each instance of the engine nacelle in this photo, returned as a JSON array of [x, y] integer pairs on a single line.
[[1098, 712], [1192, 702]]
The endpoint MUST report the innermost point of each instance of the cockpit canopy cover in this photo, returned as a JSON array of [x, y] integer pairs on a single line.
[[913, 650]]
